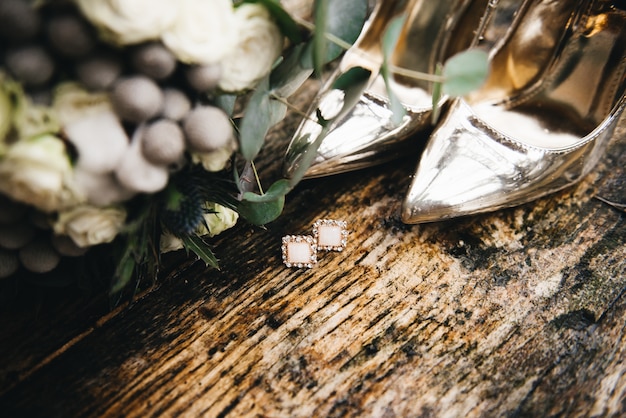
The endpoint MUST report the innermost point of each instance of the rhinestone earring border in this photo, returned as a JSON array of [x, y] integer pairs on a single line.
[[331, 222], [299, 239]]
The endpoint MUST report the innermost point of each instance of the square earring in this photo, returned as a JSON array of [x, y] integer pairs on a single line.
[[299, 251], [330, 235]]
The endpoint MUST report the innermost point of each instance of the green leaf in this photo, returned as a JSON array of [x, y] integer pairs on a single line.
[[278, 111], [123, 272], [436, 96], [390, 39], [276, 190], [465, 71], [256, 121], [341, 19], [199, 247], [320, 43], [226, 102], [261, 213], [353, 83], [285, 22], [307, 154], [289, 74]]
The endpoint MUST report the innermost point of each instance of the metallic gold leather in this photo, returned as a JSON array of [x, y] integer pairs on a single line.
[[434, 30], [540, 124]]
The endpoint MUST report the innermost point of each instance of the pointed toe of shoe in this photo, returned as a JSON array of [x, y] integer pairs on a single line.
[[469, 168], [364, 137]]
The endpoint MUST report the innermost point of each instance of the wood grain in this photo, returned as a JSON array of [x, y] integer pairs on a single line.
[[516, 313]]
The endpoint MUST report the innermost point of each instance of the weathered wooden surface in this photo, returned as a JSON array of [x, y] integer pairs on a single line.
[[517, 313]]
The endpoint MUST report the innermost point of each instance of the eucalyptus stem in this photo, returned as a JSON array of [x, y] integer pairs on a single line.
[[256, 176], [417, 75], [292, 107]]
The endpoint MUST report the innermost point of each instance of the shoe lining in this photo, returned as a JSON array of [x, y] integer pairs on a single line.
[[558, 75]]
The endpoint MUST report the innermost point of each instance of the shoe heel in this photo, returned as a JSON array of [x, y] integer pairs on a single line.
[[539, 124]]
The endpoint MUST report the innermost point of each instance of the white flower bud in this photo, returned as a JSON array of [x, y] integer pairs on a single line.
[[136, 173], [37, 171], [88, 225]]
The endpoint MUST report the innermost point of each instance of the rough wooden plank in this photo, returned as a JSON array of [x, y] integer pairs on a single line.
[[517, 313]]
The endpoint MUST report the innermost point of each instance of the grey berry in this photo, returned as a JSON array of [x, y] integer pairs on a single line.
[[70, 36], [99, 72], [15, 236], [207, 128], [9, 263], [163, 142], [30, 64], [203, 77], [19, 20], [175, 104], [137, 99], [66, 246], [39, 256], [154, 60]]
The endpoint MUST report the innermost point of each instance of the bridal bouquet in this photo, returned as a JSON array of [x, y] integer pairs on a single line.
[[133, 125], [117, 126]]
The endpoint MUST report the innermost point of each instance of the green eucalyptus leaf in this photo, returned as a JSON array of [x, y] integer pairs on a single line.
[[285, 22], [307, 154], [226, 102], [353, 83], [276, 190], [256, 121], [123, 272], [278, 111], [436, 96], [261, 213], [320, 43], [289, 74], [342, 19], [465, 71], [390, 39], [199, 247]]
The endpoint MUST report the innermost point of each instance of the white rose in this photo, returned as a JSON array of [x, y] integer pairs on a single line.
[[260, 44], [215, 160], [126, 22], [219, 219], [204, 31], [37, 171], [90, 225]]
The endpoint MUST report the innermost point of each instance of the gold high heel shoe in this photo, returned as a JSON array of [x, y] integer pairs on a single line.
[[539, 124], [433, 31]]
